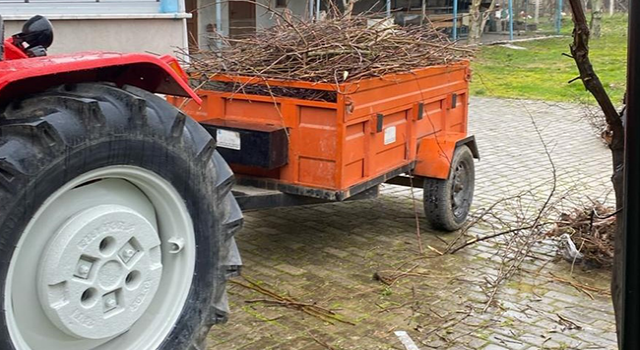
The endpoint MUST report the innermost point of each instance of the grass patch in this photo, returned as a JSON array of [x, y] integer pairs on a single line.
[[541, 72]]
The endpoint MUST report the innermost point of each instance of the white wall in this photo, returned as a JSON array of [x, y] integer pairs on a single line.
[[74, 7], [108, 25], [159, 36]]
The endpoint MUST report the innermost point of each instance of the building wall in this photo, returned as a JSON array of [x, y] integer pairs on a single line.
[[157, 26], [159, 36], [264, 17], [84, 7]]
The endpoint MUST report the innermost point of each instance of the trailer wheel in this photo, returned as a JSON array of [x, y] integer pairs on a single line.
[[447, 202], [116, 223]]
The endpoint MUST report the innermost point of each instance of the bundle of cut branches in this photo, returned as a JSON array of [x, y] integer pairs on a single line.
[[331, 51], [591, 231]]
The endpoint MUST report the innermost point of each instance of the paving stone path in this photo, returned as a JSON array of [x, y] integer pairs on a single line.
[[327, 255]]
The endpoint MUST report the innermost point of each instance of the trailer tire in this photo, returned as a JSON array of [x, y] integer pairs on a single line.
[[447, 202], [134, 188]]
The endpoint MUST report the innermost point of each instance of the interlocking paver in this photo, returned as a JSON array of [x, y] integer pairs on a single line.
[[327, 255]]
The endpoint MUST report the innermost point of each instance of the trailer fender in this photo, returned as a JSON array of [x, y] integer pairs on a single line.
[[434, 155], [154, 74], [470, 141]]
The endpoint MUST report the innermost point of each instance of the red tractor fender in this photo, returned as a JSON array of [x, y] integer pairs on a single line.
[[12, 52], [163, 75]]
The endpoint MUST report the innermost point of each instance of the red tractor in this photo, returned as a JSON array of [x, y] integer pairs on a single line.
[[116, 216]]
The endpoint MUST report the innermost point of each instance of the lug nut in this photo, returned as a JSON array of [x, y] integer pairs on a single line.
[[110, 303], [127, 252], [83, 268]]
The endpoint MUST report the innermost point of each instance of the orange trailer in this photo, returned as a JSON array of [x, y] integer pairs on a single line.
[[408, 129]]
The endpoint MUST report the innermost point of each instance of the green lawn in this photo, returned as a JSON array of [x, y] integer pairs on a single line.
[[542, 73]]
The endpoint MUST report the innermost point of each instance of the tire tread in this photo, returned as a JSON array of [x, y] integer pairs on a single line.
[[88, 105], [437, 193]]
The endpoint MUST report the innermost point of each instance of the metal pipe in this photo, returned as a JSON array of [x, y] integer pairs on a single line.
[[318, 10], [388, 8], [559, 17], [454, 30], [219, 17], [511, 20], [219, 31], [628, 332]]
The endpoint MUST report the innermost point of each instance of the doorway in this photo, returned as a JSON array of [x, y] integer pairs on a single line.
[[242, 19], [191, 6]]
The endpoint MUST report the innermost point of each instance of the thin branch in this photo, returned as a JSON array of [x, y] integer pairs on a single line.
[[488, 237]]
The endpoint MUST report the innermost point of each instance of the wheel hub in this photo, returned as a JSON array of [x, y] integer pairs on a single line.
[[459, 180], [100, 272]]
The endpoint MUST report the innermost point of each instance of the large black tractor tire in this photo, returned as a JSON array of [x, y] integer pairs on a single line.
[[50, 140], [447, 202]]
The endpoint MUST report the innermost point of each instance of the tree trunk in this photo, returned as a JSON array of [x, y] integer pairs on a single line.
[[580, 52], [348, 7], [536, 12], [551, 8], [486, 16], [612, 7], [474, 23], [596, 17]]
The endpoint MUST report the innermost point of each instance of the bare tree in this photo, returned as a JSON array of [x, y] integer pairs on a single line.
[[474, 23], [580, 53], [612, 7], [348, 5], [487, 15], [596, 17]]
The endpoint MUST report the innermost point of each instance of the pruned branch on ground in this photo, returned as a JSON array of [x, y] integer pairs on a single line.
[[592, 233], [277, 299], [390, 277], [520, 229]]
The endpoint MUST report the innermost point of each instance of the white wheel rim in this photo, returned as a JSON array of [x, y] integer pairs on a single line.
[[63, 292]]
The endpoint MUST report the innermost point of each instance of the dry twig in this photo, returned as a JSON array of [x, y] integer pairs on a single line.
[[311, 309], [592, 229], [580, 287], [332, 51]]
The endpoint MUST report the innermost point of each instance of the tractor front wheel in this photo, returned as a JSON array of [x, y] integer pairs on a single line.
[[447, 202], [116, 223]]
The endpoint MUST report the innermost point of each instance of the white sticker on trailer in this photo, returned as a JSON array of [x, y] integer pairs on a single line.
[[228, 139], [390, 135]]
